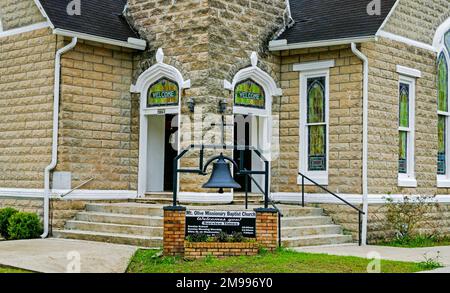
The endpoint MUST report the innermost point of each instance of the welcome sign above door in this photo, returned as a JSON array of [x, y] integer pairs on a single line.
[[164, 92], [249, 94]]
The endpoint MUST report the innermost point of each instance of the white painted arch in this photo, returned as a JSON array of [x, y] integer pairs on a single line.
[[145, 80], [263, 79], [438, 39]]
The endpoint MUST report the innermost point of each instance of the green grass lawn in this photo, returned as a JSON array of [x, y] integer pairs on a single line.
[[283, 261], [8, 270], [418, 242]]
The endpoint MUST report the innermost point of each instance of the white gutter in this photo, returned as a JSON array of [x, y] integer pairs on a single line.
[[280, 45], [131, 43], [49, 168], [365, 60]]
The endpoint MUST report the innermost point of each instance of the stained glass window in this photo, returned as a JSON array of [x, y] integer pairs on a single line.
[[442, 169], [249, 94], [403, 153], [404, 105], [447, 40], [443, 110], [316, 122], [442, 84], [164, 92]]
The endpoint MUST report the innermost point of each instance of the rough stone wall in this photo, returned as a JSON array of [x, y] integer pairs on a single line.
[[208, 41], [26, 99], [19, 13], [60, 210], [436, 222], [345, 123], [384, 56], [418, 19], [95, 126]]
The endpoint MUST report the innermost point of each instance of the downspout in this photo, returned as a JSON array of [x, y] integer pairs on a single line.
[[365, 159], [49, 168]]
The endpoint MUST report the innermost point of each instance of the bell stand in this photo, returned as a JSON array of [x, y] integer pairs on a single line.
[[242, 171]]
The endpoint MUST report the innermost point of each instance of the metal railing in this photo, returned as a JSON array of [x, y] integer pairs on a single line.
[[360, 212]]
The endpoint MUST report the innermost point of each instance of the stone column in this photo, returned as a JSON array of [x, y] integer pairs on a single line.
[[267, 228], [174, 230]]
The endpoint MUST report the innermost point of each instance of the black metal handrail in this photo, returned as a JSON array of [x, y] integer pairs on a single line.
[[360, 212], [280, 214]]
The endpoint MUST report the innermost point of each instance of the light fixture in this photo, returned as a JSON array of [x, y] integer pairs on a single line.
[[222, 106], [191, 104]]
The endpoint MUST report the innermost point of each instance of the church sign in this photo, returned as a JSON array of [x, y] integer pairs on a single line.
[[213, 223], [249, 94], [164, 92]]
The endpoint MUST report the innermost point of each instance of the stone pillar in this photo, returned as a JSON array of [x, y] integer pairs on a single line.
[[267, 228], [174, 230]]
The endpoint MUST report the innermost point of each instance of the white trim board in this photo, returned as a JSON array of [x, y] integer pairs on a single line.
[[24, 29], [202, 197], [280, 45], [317, 65], [132, 42], [76, 195], [410, 72], [406, 41], [291, 197]]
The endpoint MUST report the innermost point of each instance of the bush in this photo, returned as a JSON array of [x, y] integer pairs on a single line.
[[222, 237], [24, 226], [197, 238], [5, 214], [404, 217], [237, 237]]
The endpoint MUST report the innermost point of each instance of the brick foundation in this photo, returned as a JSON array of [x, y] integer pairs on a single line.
[[174, 231], [203, 249], [267, 228]]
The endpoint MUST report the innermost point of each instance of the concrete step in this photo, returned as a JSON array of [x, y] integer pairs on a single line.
[[137, 240], [115, 228], [155, 200], [305, 221], [290, 211], [121, 219], [316, 240], [127, 208], [311, 230]]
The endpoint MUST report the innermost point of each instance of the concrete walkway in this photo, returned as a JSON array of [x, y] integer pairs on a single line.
[[62, 256], [387, 253]]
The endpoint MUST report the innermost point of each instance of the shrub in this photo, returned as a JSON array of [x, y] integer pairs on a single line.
[[24, 226], [237, 237], [405, 216], [223, 237], [197, 238], [5, 214]]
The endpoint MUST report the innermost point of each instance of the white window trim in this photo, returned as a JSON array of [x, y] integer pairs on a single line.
[[321, 177], [409, 179], [443, 181]]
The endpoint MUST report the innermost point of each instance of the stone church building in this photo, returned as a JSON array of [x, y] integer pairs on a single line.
[[97, 98]]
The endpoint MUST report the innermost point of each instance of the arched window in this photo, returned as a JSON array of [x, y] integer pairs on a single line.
[[443, 112]]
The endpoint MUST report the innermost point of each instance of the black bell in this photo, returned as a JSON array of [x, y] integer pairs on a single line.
[[221, 176]]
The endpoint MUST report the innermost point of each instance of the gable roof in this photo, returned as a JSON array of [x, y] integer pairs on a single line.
[[100, 20], [318, 21]]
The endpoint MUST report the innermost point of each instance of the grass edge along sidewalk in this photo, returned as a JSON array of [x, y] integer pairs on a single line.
[[282, 261]]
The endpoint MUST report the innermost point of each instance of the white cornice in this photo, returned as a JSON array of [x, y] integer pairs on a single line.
[[281, 45], [319, 65], [24, 29], [411, 72], [406, 41]]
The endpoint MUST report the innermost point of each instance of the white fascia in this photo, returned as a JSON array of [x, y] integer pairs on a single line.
[[132, 43], [281, 45]]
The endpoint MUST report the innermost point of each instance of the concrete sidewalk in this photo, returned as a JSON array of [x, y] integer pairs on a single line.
[[61, 256], [388, 253]]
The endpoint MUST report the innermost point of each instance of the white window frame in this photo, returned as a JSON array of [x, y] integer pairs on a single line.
[[443, 181], [321, 177], [409, 179]]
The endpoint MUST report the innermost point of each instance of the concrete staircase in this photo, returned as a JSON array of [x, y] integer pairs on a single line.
[[309, 227], [141, 224], [166, 198], [121, 223]]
